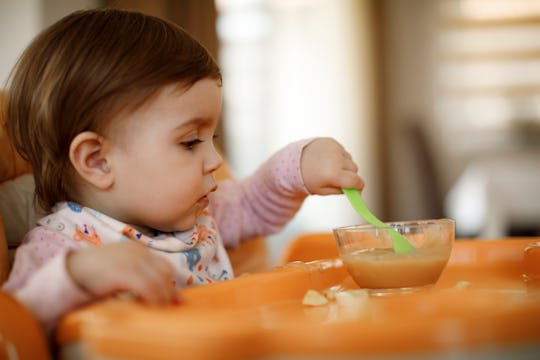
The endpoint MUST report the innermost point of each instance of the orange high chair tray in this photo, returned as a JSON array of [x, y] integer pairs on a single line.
[[481, 306]]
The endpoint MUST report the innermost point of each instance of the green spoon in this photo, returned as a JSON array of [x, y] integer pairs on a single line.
[[400, 243]]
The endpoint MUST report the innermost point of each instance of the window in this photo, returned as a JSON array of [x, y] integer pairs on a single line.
[[488, 78], [292, 70]]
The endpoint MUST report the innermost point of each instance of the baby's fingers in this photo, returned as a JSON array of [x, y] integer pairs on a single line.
[[351, 180], [345, 180], [349, 166], [122, 267], [157, 286]]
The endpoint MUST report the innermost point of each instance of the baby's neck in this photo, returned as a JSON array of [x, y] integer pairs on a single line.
[[145, 230]]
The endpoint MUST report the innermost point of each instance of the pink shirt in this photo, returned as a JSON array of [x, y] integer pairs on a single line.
[[259, 205]]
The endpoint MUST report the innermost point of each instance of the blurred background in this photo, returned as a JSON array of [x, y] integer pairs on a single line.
[[438, 101]]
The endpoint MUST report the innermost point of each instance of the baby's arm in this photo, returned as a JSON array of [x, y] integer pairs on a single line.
[[39, 277], [52, 276], [263, 203]]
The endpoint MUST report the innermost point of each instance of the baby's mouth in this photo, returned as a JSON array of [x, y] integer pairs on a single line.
[[204, 201]]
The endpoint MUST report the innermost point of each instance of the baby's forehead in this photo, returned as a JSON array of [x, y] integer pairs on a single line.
[[200, 101], [136, 100]]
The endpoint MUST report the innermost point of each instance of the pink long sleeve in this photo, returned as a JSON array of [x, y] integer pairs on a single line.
[[263, 203], [39, 277]]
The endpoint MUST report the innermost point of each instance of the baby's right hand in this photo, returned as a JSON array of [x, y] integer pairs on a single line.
[[123, 267]]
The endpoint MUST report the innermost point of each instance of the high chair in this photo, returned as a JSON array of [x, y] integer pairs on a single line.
[[18, 328], [21, 336], [308, 247]]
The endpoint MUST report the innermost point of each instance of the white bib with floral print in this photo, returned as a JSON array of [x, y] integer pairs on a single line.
[[198, 255]]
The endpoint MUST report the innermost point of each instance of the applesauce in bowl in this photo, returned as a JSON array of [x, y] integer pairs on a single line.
[[367, 252]]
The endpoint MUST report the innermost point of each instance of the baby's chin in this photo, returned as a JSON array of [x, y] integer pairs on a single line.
[[181, 226], [186, 223]]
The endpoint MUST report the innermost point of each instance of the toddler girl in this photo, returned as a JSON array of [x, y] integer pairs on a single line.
[[116, 112]]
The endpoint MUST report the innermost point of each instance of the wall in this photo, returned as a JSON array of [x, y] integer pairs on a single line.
[[21, 20], [407, 28]]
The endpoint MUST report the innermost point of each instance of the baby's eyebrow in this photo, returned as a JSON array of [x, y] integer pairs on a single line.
[[195, 122]]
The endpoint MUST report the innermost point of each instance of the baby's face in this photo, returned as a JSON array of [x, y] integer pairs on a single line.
[[163, 157]]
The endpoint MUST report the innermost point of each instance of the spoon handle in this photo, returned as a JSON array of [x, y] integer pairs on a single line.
[[400, 243]]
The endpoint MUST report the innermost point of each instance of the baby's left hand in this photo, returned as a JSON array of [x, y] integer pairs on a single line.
[[327, 168]]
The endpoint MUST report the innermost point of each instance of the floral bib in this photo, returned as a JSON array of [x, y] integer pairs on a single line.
[[198, 255]]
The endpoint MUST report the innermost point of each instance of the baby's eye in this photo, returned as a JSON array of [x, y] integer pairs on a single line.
[[191, 144]]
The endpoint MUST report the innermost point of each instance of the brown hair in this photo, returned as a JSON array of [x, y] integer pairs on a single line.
[[81, 71]]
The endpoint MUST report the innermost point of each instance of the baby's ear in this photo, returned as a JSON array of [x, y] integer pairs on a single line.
[[87, 153]]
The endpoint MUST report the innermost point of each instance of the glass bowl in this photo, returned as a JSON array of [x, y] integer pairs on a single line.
[[371, 261]]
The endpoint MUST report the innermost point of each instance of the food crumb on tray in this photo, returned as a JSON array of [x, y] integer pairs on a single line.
[[352, 298], [462, 285], [342, 297], [314, 298], [342, 305]]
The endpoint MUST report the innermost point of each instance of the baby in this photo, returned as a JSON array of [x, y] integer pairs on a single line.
[[117, 111]]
